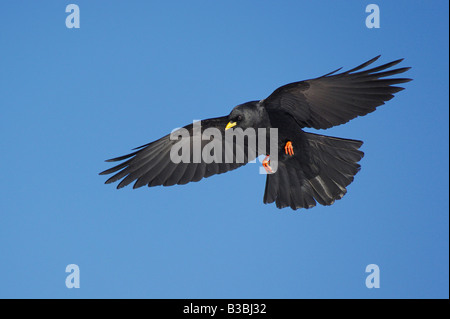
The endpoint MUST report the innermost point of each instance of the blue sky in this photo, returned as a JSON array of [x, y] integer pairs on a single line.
[[133, 71]]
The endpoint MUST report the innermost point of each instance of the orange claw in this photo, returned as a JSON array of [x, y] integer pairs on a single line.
[[265, 164], [288, 148]]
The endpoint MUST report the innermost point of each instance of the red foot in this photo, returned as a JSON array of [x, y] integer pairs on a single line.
[[265, 164], [288, 148]]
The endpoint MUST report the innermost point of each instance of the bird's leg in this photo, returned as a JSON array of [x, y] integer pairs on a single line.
[[288, 148], [265, 164]]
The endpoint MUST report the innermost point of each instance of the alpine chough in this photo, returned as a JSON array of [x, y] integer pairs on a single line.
[[310, 167]]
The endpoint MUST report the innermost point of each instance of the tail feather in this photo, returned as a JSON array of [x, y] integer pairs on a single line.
[[334, 162]]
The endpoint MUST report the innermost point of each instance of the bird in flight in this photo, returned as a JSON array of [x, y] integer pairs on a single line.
[[310, 168]]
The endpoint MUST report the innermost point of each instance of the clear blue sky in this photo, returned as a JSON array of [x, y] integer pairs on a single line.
[[133, 71]]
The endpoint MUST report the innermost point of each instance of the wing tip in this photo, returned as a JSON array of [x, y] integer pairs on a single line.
[[121, 185], [374, 59]]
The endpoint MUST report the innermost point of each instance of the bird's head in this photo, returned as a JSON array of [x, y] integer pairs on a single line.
[[250, 114]]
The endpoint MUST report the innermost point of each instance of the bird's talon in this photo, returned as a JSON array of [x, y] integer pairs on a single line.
[[288, 149], [266, 165]]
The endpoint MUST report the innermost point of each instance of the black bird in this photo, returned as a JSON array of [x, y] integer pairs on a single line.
[[310, 167]]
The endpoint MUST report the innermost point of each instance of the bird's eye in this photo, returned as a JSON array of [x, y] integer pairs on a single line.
[[239, 117]]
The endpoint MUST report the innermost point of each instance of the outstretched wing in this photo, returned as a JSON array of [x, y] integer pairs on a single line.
[[152, 164], [335, 99]]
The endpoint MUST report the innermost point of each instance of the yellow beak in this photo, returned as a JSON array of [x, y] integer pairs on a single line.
[[230, 125]]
